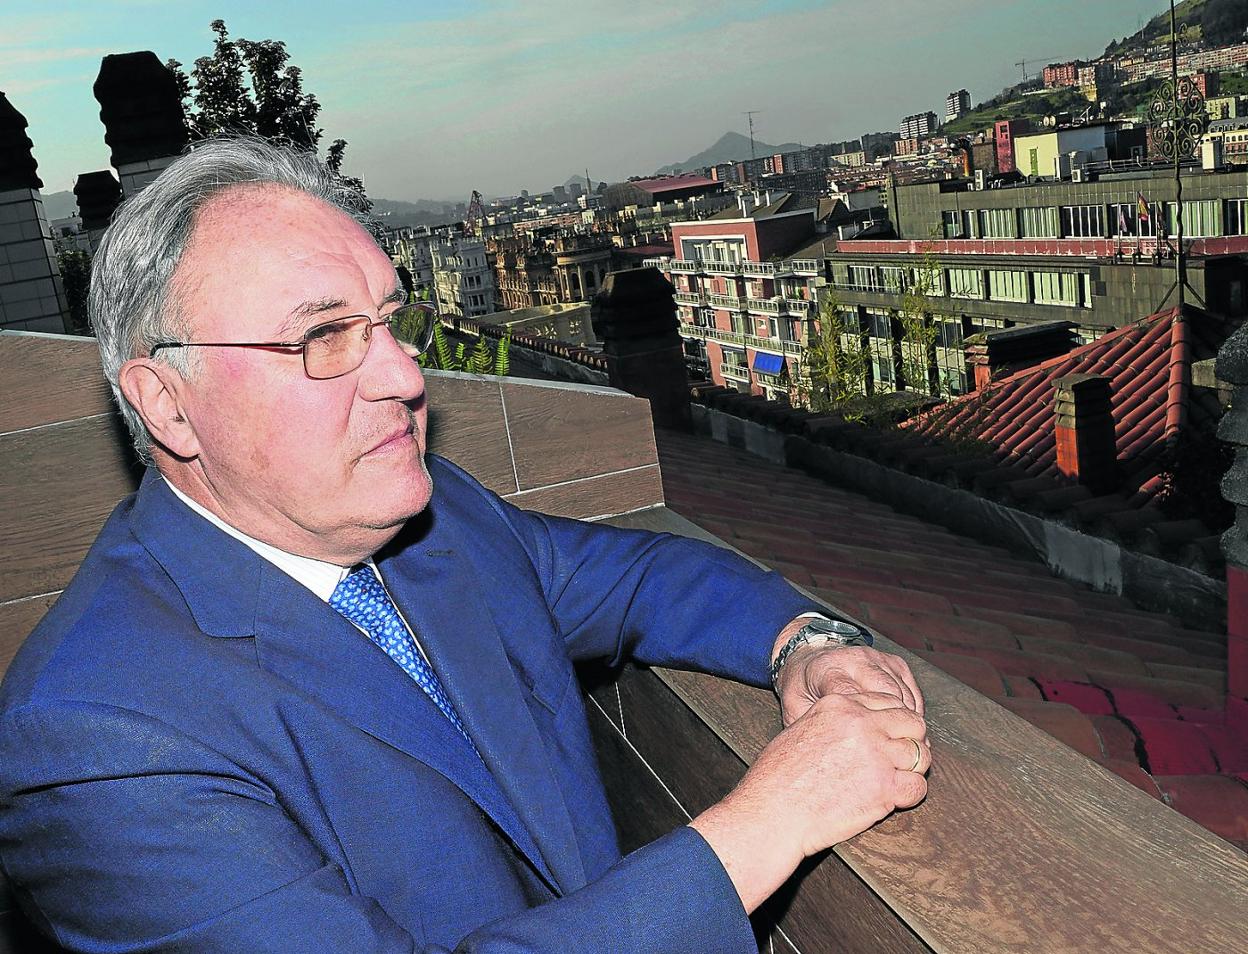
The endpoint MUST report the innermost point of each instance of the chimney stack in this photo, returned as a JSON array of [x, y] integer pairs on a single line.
[[992, 354], [1084, 430]]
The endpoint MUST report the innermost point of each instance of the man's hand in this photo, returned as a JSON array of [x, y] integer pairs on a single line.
[[839, 768], [813, 672]]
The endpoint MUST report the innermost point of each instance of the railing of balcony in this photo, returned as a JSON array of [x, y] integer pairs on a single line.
[[759, 269], [691, 298], [726, 301], [722, 268], [763, 306], [741, 340], [676, 265], [800, 266], [734, 372], [797, 306]]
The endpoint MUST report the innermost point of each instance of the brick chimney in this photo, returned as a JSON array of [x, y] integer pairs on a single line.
[[1232, 366], [997, 353], [1084, 430], [635, 318]]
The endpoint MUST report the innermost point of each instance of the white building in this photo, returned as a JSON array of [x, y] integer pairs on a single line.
[[462, 279]]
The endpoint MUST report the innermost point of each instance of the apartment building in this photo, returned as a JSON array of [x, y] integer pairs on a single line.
[[745, 287], [957, 104], [918, 125], [462, 280], [1094, 253]]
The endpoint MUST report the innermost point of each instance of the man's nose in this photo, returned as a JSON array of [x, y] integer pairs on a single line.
[[389, 371]]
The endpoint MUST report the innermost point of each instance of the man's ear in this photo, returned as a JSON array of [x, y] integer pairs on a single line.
[[153, 389]]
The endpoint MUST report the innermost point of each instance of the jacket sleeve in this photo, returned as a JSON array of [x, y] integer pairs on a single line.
[[655, 598], [147, 840]]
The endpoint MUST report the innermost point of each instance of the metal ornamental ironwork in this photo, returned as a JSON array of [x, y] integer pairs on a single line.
[[1178, 118]]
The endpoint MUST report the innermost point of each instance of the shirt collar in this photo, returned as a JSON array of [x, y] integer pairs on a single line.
[[318, 576]]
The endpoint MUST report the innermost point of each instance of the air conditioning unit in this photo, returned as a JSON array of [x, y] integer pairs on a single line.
[[979, 180], [1076, 174]]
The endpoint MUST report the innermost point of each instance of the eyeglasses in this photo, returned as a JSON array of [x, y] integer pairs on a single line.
[[339, 347]]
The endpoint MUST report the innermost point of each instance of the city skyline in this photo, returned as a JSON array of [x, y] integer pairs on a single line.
[[429, 102]]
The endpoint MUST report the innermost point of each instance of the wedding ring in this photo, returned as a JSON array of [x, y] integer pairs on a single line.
[[918, 755]]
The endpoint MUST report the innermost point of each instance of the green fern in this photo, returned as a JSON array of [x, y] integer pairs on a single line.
[[502, 354]]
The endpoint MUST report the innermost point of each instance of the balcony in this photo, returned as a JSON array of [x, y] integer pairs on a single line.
[[800, 266], [690, 298], [722, 268], [734, 372], [730, 302], [662, 263], [758, 269], [797, 306], [763, 306], [689, 268]]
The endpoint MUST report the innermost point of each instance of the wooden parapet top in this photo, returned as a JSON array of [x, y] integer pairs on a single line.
[[1022, 845]]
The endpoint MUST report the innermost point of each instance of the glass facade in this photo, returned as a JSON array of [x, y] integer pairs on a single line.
[[1056, 288], [966, 283]]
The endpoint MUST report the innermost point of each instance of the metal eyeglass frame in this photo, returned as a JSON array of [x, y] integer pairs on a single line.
[[302, 344]]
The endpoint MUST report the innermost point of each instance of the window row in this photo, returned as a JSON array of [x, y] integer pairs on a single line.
[[1012, 285], [1202, 218]]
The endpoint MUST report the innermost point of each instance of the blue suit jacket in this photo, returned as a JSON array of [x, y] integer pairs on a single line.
[[196, 753]]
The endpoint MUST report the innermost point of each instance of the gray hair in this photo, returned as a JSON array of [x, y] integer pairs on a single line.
[[133, 303]]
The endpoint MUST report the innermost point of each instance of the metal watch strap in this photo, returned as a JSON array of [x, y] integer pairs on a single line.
[[816, 632]]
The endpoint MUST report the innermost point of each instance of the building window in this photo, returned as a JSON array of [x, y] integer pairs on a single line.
[[880, 346], [865, 278], [893, 278], [997, 223], [951, 222], [1057, 288], [950, 358], [1007, 285], [966, 283], [1083, 221], [1237, 216], [1039, 222], [1125, 219], [1201, 218]]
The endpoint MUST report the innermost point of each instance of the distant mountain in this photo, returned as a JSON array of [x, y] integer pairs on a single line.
[[731, 147], [59, 205], [395, 213]]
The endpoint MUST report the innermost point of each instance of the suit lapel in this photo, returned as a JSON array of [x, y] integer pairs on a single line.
[[306, 642], [435, 587], [233, 592]]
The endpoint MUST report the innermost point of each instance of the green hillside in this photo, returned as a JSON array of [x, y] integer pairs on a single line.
[[1217, 22]]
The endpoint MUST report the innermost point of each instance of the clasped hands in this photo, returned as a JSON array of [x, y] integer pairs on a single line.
[[853, 749]]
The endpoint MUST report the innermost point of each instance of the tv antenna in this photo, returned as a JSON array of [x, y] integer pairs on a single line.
[[750, 114]]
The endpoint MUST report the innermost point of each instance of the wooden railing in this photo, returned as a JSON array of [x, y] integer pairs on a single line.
[[1023, 845]]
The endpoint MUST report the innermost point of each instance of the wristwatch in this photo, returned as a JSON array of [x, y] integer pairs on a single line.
[[818, 632]]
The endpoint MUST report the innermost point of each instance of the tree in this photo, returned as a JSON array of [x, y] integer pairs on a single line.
[[919, 327], [834, 361], [248, 86], [75, 268]]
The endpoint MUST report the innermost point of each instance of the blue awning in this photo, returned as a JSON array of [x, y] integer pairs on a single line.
[[768, 363]]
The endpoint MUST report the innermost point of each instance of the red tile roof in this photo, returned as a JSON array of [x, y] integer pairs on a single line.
[[1135, 691], [1149, 366], [688, 180]]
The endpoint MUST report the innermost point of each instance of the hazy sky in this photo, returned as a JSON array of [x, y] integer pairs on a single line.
[[437, 99]]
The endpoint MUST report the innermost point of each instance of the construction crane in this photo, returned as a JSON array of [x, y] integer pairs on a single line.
[[475, 214], [1022, 64]]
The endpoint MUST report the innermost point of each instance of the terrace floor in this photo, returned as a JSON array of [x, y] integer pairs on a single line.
[[1133, 690]]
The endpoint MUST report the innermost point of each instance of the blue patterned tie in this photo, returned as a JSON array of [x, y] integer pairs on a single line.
[[362, 599]]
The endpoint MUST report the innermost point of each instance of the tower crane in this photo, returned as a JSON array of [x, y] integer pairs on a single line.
[[472, 221]]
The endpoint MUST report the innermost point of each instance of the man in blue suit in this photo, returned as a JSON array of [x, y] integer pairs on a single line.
[[297, 700]]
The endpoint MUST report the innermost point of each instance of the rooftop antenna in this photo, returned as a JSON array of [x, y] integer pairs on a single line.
[[588, 186], [750, 114]]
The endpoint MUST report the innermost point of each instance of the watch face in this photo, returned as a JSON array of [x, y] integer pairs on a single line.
[[834, 628]]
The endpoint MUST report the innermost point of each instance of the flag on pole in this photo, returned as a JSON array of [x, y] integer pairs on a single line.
[[1143, 207], [1123, 228]]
